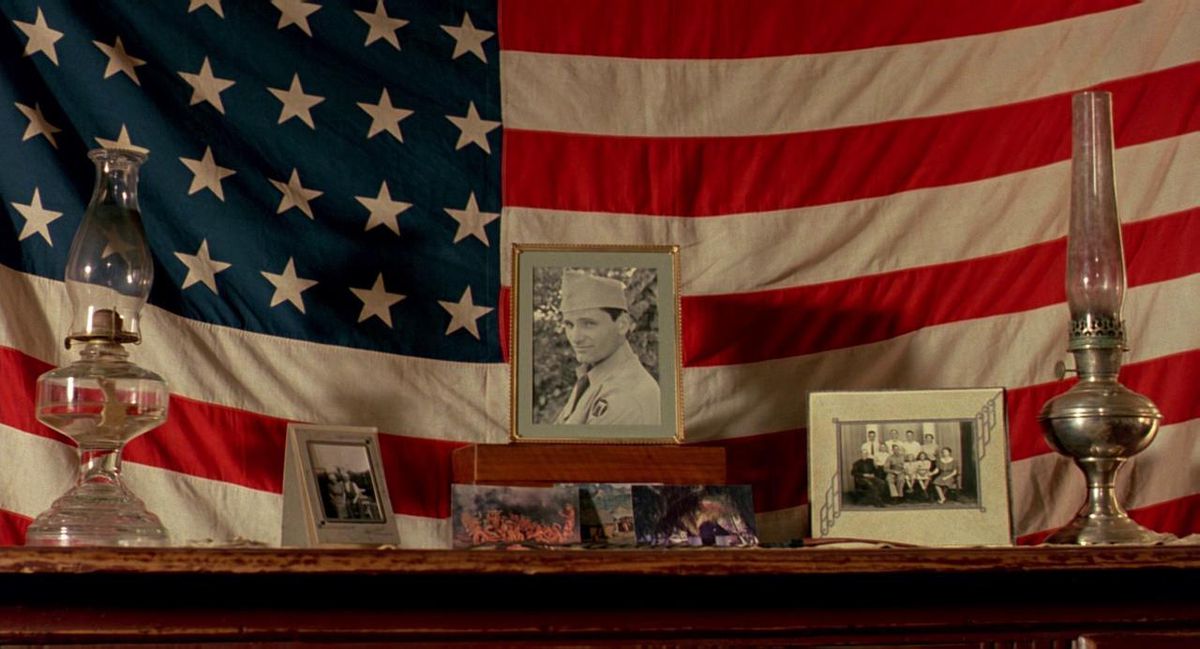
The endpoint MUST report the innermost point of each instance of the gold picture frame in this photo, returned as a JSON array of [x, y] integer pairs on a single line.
[[581, 377]]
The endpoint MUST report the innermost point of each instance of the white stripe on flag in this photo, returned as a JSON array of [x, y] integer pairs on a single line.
[[243, 370], [895, 232], [1011, 350]]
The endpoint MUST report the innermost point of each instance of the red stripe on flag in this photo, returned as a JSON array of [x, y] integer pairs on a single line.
[[1180, 517], [873, 308], [699, 176], [215, 442], [504, 317], [418, 470], [418, 474], [1164, 380], [694, 29], [12, 528], [775, 465]]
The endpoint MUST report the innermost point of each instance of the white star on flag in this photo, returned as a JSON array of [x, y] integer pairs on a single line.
[[37, 218], [41, 37], [207, 174], [206, 87], [385, 117], [119, 60], [295, 12], [464, 313], [296, 103], [383, 209], [38, 124], [201, 268], [467, 38], [288, 286], [215, 5], [377, 302], [471, 221], [294, 195], [473, 129], [382, 25], [122, 142]]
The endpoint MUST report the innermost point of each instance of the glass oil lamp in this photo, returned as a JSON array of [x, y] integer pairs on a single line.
[[1099, 423], [102, 400]]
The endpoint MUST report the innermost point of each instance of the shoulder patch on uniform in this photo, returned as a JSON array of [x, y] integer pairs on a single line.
[[599, 408]]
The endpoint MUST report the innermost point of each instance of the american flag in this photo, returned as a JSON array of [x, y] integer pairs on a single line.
[[866, 194]]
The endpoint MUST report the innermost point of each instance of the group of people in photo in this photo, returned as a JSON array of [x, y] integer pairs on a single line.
[[902, 469]]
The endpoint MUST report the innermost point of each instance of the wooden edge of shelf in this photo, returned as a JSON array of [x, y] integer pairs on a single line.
[[672, 562]]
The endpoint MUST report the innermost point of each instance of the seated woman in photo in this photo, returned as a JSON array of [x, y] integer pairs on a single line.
[[924, 475], [947, 476]]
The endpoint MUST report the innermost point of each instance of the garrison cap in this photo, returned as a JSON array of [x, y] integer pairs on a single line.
[[585, 291]]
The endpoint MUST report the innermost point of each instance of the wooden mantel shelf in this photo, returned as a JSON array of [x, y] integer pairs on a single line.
[[1018, 598], [676, 562]]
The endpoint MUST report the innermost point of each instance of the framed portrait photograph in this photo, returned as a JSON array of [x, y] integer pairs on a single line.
[[334, 488], [596, 347], [927, 467]]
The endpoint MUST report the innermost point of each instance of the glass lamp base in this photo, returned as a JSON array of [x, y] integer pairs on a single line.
[[97, 514]]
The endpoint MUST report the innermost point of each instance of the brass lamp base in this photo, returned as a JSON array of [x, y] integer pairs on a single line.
[[1105, 529], [1100, 424]]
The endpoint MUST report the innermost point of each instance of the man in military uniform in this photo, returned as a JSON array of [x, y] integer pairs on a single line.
[[613, 387]]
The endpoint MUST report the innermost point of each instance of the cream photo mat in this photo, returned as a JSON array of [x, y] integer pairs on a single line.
[[306, 521], [984, 519], [664, 261]]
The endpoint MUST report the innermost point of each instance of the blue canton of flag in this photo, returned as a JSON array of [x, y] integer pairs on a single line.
[[322, 172]]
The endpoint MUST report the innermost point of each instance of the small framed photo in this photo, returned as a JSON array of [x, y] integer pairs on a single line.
[[596, 353], [925, 467], [334, 488]]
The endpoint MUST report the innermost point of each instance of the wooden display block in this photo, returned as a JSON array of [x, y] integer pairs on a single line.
[[545, 464]]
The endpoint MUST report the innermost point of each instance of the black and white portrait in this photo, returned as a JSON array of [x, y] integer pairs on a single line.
[[595, 346], [908, 464], [345, 482]]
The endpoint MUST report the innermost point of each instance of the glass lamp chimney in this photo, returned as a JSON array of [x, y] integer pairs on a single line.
[[1095, 258], [109, 268]]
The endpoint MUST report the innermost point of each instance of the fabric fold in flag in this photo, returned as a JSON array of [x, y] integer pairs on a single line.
[[867, 195]]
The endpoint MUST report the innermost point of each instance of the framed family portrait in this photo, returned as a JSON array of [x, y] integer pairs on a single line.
[[334, 490], [596, 346], [926, 467]]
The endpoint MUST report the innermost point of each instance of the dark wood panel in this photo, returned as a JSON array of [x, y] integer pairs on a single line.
[[1018, 598]]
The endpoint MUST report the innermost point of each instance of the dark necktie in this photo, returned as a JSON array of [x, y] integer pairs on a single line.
[[581, 386]]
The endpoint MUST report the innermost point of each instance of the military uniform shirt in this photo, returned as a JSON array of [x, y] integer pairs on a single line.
[[620, 391]]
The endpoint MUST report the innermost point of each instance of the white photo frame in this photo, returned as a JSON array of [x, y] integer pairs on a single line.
[[334, 490], [961, 498], [545, 383]]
